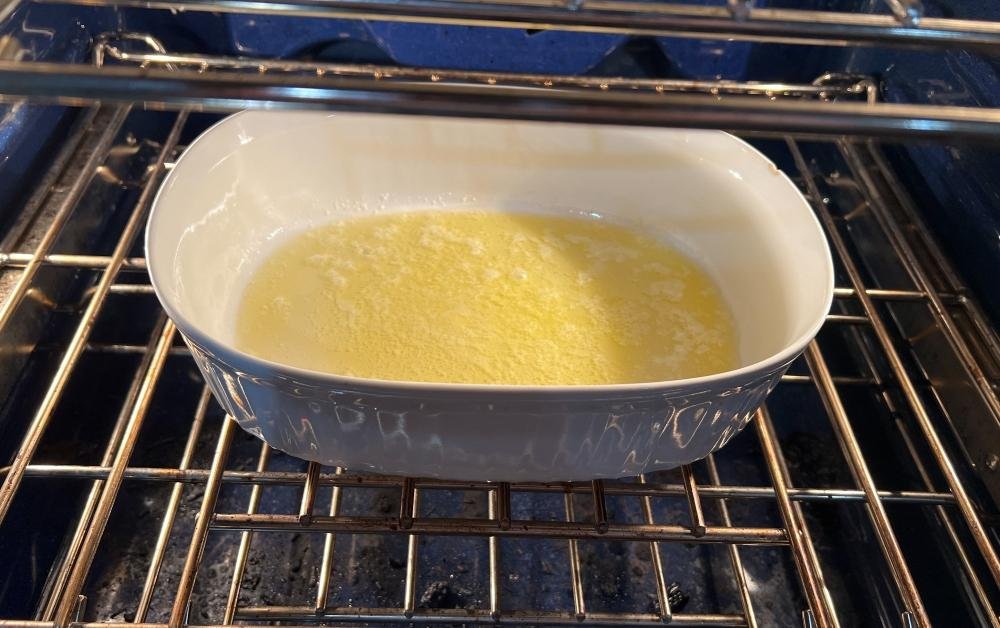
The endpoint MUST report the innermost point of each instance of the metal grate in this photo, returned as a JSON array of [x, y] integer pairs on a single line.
[[199, 81], [864, 201], [738, 19]]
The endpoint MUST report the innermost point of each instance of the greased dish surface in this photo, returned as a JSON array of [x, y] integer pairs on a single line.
[[254, 179]]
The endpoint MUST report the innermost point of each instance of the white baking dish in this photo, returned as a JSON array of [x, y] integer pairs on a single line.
[[255, 177]]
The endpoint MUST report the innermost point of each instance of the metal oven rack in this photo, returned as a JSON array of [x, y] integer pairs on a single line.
[[211, 495], [470, 95]]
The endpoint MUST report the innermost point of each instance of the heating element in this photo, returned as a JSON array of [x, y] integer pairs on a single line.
[[862, 494]]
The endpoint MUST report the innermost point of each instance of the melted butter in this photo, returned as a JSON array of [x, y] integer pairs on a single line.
[[486, 298]]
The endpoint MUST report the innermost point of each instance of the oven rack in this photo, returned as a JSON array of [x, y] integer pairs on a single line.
[[213, 83], [736, 20], [860, 313]]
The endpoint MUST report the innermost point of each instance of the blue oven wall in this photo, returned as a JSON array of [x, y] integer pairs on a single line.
[[957, 186], [28, 133], [473, 48]]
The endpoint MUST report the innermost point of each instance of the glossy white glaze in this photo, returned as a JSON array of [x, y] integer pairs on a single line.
[[256, 177]]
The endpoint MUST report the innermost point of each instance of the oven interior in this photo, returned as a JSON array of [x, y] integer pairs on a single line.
[[864, 493]]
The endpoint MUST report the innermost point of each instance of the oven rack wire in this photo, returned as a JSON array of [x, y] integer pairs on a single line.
[[737, 20], [859, 308], [200, 83]]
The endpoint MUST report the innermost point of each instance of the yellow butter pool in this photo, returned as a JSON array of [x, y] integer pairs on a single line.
[[486, 297]]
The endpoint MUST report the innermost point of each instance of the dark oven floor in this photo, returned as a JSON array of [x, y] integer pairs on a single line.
[[862, 493]]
